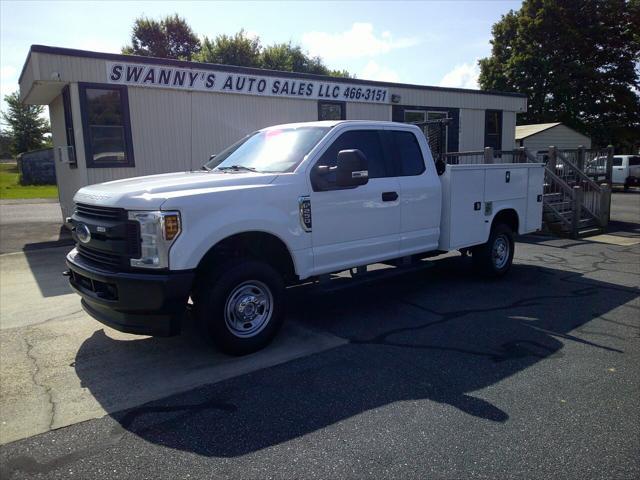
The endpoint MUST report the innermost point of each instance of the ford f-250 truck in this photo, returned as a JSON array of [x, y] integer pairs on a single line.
[[285, 205]]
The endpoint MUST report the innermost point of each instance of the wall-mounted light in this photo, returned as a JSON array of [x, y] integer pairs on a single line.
[[395, 98]]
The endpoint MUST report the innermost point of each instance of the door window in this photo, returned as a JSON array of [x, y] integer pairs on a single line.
[[634, 161], [368, 142]]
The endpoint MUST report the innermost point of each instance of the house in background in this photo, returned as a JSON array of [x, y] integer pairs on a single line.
[[538, 137]]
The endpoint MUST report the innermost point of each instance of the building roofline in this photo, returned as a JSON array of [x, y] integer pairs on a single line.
[[550, 126], [71, 52]]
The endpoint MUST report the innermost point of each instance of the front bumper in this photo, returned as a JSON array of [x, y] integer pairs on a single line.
[[141, 303]]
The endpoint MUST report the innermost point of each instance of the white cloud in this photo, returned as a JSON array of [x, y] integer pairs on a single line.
[[464, 75], [359, 41], [373, 71]]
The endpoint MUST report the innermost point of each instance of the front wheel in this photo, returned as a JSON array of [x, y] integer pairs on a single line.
[[240, 306], [494, 258]]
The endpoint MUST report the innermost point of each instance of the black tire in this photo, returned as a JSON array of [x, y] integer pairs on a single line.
[[626, 187], [232, 330], [488, 262]]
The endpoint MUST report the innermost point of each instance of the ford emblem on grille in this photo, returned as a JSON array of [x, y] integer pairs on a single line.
[[83, 233]]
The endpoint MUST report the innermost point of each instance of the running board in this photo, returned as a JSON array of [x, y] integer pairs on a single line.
[[342, 280]]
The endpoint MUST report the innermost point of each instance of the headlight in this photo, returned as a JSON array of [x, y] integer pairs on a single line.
[[158, 230]]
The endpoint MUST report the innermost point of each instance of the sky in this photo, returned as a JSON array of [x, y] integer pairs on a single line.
[[420, 42]]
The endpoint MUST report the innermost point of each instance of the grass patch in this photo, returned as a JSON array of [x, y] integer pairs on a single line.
[[11, 188]]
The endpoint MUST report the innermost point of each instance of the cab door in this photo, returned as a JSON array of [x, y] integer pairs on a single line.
[[355, 225], [420, 192]]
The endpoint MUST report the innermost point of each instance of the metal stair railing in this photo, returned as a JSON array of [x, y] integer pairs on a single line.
[[592, 193], [585, 196]]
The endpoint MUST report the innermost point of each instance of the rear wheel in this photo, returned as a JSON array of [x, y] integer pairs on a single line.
[[494, 258], [240, 306]]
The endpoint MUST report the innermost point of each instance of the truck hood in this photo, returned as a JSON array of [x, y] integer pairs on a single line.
[[150, 192]]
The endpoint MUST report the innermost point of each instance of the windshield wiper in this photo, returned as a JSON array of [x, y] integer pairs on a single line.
[[237, 168]]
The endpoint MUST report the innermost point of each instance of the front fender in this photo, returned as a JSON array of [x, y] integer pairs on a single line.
[[203, 229]]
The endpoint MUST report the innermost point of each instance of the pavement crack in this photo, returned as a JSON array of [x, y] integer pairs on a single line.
[[36, 381]]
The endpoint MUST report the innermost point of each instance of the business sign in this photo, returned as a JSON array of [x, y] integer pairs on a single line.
[[142, 75]]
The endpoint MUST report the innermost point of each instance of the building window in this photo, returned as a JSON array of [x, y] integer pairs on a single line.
[[437, 133], [493, 129], [415, 116], [106, 126], [332, 110], [68, 126]]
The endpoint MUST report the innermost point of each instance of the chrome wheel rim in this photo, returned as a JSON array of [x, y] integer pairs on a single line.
[[248, 309], [500, 251]]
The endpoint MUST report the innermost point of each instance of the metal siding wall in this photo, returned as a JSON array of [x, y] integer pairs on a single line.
[[220, 119], [471, 130], [368, 111], [71, 69], [27, 77], [69, 179], [559, 136], [75, 69], [161, 133], [472, 100]]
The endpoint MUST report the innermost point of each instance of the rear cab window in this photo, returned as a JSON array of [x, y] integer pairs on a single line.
[[407, 154]]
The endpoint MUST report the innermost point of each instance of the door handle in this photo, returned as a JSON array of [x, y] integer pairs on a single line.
[[389, 196]]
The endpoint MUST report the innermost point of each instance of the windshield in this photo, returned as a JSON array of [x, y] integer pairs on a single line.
[[278, 151]]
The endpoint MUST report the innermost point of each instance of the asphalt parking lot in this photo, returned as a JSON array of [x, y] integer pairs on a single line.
[[436, 374]]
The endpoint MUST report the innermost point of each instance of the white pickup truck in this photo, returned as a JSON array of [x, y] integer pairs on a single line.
[[285, 205]]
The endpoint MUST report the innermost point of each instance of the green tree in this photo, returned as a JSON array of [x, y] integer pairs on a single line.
[[245, 51], [27, 128], [238, 49], [576, 61], [170, 37], [291, 58], [5, 145]]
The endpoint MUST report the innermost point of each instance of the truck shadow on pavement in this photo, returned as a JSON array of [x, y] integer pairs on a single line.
[[432, 337]]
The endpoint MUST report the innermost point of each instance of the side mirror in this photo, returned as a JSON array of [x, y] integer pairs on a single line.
[[212, 157], [351, 168]]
